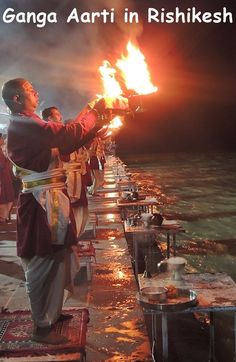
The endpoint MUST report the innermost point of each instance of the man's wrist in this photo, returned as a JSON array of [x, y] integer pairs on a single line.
[[99, 116], [103, 118]]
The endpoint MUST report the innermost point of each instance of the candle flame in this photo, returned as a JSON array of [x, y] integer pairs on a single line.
[[134, 70]]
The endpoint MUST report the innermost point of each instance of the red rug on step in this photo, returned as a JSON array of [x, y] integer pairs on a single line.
[[16, 331]]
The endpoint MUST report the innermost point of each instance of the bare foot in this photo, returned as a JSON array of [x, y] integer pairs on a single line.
[[48, 336]]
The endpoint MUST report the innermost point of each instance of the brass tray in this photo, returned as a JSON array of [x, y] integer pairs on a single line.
[[185, 299]]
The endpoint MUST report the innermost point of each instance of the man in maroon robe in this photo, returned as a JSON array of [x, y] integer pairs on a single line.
[[45, 231]]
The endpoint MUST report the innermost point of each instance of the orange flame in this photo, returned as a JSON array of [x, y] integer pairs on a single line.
[[111, 88], [110, 84], [135, 71]]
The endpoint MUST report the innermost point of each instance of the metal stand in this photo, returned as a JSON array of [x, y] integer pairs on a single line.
[[212, 357], [164, 337], [168, 245], [146, 273]]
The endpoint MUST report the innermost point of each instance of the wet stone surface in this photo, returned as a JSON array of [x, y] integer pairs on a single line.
[[116, 330]]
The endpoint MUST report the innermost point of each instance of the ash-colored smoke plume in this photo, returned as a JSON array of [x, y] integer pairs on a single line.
[[62, 60]]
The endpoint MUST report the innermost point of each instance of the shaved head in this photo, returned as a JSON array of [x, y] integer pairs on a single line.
[[12, 88], [20, 96]]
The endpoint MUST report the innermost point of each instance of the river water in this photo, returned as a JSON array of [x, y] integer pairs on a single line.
[[199, 190]]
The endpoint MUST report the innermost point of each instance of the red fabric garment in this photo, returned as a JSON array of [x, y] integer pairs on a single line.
[[37, 137], [65, 158], [88, 176], [33, 233], [94, 164], [103, 161], [30, 140], [6, 181], [83, 201]]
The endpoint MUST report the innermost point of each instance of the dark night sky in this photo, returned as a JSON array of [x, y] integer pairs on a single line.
[[192, 64]]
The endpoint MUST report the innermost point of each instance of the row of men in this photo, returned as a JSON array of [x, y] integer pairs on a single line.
[[84, 170], [46, 229]]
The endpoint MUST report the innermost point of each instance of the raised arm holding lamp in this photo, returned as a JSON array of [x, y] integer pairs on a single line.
[[45, 224]]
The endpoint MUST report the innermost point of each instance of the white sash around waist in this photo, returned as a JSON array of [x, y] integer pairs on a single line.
[[47, 188]]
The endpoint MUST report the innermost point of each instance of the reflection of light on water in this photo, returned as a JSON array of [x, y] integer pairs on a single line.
[[112, 186], [111, 237], [111, 204], [111, 194], [124, 339], [128, 328], [110, 180], [110, 217], [120, 274]]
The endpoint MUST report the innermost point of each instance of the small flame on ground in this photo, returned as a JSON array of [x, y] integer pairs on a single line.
[[135, 71]]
